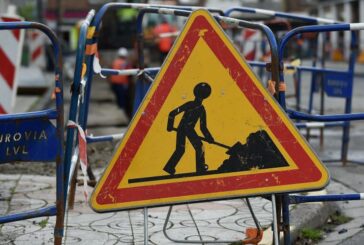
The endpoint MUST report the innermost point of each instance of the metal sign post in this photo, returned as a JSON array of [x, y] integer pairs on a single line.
[[275, 220], [146, 235]]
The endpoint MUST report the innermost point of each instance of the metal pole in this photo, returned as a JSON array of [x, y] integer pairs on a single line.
[[286, 225], [146, 236], [275, 221], [186, 241], [40, 11], [59, 15], [322, 92]]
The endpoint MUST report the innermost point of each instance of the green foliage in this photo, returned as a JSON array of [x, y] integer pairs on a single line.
[[27, 11], [43, 223], [339, 219], [312, 234]]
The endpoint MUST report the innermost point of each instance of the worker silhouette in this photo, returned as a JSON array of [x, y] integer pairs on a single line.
[[193, 111]]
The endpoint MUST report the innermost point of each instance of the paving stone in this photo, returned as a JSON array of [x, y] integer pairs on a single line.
[[23, 204], [8, 177], [336, 237], [353, 209], [228, 219]]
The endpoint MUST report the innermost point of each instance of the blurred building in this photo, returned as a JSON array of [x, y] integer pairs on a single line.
[[69, 11], [63, 16], [350, 11], [276, 5]]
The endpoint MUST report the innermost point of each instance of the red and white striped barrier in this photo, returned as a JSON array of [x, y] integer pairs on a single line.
[[82, 148], [251, 39], [36, 48], [11, 43]]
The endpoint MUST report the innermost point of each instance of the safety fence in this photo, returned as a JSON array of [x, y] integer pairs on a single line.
[[32, 136], [48, 139]]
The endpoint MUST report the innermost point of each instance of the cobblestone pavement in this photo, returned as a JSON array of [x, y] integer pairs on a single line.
[[220, 220], [345, 179]]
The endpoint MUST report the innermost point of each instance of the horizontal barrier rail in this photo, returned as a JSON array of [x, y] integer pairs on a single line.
[[47, 114], [271, 13], [296, 199], [325, 118], [128, 72], [103, 138], [319, 124], [42, 212], [319, 29]]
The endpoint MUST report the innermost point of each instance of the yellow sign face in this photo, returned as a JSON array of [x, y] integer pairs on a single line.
[[207, 129]]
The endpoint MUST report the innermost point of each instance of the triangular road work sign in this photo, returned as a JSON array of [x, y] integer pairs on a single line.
[[206, 130]]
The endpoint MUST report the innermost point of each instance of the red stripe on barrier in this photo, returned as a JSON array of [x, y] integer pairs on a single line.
[[7, 69], [248, 33], [35, 35], [37, 52], [250, 55], [2, 110], [82, 146], [16, 33]]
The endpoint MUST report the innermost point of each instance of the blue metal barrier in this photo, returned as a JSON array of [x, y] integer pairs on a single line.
[[30, 136], [336, 83], [342, 119], [76, 113], [307, 20], [141, 86], [271, 13]]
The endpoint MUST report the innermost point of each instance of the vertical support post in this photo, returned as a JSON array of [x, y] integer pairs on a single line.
[[322, 111], [314, 79], [297, 83], [320, 40], [146, 235], [361, 34], [286, 225], [59, 14], [345, 143], [334, 36], [348, 19], [40, 11], [275, 220], [322, 92], [72, 189]]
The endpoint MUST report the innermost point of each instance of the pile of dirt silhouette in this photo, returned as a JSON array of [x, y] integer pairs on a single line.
[[258, 152]]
